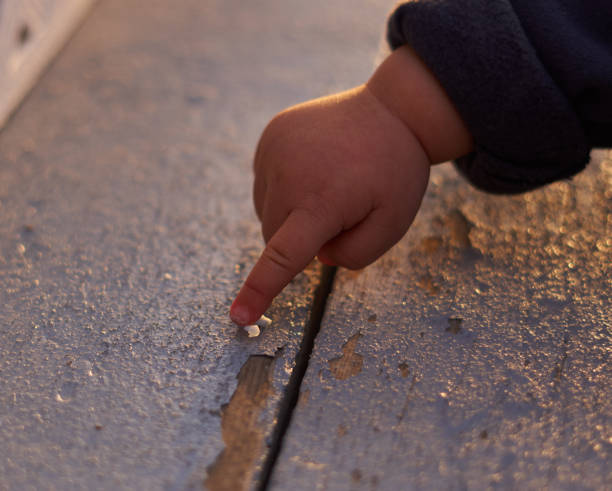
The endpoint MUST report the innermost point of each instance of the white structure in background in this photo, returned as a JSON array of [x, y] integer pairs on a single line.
[[31, 33]]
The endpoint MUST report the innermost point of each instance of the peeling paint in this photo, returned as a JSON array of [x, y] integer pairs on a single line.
[[431, 244], [304, 397], [426, 283], [509, 372], [350, 363], [459, 229], [252, 331], [233, 469], [454, 325]]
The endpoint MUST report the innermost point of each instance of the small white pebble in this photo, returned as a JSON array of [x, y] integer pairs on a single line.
[[252, 330], [264, 321]]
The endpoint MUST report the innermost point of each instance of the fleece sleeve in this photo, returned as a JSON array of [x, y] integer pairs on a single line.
[[532, 81]]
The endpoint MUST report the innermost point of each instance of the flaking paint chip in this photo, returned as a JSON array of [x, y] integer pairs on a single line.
[[254, 329]]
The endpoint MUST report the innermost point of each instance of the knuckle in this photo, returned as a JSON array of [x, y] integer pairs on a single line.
[[317, 208], [254, 287], [277, 255]]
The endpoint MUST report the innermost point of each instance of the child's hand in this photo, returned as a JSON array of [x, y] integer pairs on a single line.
[[340, 177]]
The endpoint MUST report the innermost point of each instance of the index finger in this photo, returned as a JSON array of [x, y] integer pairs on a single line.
[[288, 252]]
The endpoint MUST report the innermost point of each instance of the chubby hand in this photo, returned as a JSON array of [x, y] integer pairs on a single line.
[[342, 177], [339, 177]]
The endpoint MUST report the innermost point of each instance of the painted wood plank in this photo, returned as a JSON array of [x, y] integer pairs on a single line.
[[474, 355], [31, 33], [126, 227]]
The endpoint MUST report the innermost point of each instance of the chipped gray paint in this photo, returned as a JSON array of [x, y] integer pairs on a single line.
[[126, 227], [485, 345]]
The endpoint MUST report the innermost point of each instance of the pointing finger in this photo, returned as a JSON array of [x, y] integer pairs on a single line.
[[287, 253]]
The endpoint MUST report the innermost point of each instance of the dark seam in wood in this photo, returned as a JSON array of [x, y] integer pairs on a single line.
[[292, 392]]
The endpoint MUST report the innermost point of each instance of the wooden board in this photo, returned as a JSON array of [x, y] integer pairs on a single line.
[[126, 227], [474, 355]]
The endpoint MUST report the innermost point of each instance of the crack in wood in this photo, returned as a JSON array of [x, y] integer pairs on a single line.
[[559, 367], [400, 416], [292, 392]]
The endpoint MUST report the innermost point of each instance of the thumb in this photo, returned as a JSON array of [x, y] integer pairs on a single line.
[[365, 242]]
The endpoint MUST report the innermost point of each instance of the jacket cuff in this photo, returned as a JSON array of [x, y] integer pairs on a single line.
[[525, 131]]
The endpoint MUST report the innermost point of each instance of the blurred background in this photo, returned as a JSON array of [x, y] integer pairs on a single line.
[[31, 32]]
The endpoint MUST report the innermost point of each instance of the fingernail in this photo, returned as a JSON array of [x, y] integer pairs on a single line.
[[240, 314]]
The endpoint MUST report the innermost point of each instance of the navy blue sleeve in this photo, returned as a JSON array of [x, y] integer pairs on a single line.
[[532, 81]]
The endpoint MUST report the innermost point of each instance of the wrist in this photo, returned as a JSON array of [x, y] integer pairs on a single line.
[[410, 91]]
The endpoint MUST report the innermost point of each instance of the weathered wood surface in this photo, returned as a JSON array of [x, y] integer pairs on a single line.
[[126, 227], [31, 33], [474, 355]]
